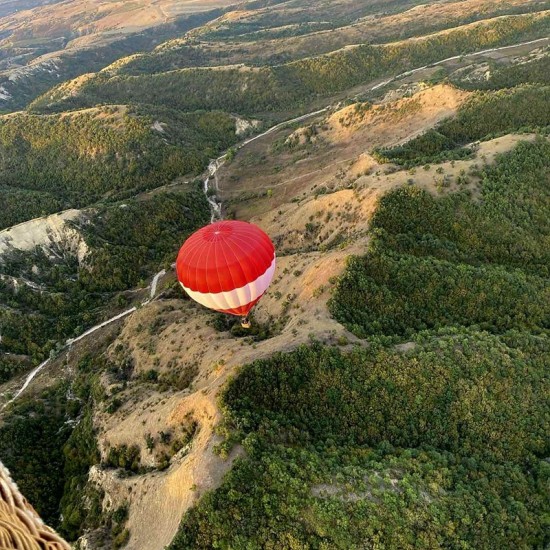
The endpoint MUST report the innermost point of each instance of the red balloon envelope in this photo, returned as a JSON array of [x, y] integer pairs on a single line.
[[227, 266]]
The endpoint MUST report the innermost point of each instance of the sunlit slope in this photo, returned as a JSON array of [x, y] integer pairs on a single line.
[[39, 27], [394, 398], [277, 34], [439, 416], [293, 85], [25, 73]]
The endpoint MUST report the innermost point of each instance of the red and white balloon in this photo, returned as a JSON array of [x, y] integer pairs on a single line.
[[227, 266]]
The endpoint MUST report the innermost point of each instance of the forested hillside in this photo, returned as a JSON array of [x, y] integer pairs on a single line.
[[265, 38], [25, 74], [530, 71], [290, 86], [378, 447], [51, 163], [454, 261], [48, 296]]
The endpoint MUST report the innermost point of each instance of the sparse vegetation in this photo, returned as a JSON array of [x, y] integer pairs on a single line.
[[485, 116], [124, 457]]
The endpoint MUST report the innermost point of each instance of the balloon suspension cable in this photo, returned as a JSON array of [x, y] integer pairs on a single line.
[[245, 322]]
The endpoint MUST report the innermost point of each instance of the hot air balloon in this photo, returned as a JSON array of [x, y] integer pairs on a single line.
[[227, 266]]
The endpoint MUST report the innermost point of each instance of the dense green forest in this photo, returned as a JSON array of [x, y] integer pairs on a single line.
[[448, 261], [127, 244], [33, 436], [20, 205], [484, 116], [129, 241], [439, 447], [49, 442], [49, 163], [292, 85]]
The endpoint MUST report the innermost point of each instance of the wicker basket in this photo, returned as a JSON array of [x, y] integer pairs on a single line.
[[20, 526]]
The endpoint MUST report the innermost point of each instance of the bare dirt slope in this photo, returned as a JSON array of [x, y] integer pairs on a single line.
[[330, 153], [96, 21], [43, 232], [158, 500]]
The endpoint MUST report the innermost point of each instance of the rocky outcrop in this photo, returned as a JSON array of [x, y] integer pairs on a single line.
[[52, 233]]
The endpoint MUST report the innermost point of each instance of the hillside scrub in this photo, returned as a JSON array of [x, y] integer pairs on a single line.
[[50, 163], [535, 71], [127, 244], [291, 85], [437, 262], [485, 116], [439, 444], [28, 85], [269, 38]]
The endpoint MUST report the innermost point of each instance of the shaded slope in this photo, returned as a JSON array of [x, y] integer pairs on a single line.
[[50, 163]]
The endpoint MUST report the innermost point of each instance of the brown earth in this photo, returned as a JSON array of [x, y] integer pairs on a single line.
[[96, 21], [337, 153]]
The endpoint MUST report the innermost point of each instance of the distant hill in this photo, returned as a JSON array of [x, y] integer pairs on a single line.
[[57, 41], [33, 28], [290, 86]]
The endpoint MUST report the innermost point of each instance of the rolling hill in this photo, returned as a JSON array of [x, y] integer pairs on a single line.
[[289, 87]]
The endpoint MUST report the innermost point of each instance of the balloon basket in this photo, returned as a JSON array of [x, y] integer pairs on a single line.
[[245, 322]]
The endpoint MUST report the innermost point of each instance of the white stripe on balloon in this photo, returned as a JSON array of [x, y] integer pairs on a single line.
[[238, 297]]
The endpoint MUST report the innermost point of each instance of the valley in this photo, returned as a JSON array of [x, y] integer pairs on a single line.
[[406, 329]]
